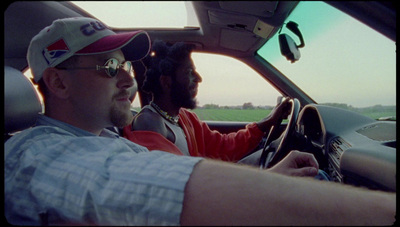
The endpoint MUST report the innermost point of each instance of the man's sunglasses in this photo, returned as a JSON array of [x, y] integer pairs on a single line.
[[111, 67]]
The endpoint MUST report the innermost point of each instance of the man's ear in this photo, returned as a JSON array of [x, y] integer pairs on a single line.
[[165, 82], [54, 80]]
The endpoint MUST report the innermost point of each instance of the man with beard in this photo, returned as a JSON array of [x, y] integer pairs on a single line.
[[166, 123]]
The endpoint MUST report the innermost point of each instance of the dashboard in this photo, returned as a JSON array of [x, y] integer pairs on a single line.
[[359, 150]]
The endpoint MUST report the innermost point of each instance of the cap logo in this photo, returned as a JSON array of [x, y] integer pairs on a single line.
[[55, 51], [92, 27]]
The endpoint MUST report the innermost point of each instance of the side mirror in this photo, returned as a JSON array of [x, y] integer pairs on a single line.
[[289, 48]]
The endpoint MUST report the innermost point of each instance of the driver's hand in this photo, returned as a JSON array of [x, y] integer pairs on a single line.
[[297, 163], [279, 112]]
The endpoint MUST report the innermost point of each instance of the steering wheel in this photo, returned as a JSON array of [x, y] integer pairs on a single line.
[[274, 151]]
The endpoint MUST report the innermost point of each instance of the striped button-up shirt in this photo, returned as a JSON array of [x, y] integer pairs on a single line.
[[55, 173]]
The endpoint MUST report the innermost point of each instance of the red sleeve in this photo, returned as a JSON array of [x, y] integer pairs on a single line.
[[151, 140], [207, 143]]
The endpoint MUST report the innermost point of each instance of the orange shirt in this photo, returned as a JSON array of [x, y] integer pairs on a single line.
[[201, 140]]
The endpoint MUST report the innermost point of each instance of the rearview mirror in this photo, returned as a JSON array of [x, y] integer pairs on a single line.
[[289, 48]]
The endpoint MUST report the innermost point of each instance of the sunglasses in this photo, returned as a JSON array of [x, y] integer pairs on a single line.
[[111, 67]]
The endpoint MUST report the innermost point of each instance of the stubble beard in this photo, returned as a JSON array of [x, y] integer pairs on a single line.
[[120, 118]]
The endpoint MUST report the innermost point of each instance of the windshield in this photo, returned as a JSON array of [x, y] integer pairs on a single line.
[[344, 62]]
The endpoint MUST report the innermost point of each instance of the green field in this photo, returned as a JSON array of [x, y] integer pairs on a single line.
[[252, 115], [248, 115]]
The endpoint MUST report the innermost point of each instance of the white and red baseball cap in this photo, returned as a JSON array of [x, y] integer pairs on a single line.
[[81, 36]]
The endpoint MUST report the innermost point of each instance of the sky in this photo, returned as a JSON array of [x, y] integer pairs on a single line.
[[315, 73]]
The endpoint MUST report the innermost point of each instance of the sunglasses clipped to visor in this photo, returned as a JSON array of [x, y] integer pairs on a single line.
[[111, 67]]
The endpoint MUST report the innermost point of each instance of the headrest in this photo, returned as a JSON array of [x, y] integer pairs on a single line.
[[21, 101]]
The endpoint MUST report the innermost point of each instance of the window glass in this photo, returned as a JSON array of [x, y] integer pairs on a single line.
[[344, 62], [230, 90], [230, 82]]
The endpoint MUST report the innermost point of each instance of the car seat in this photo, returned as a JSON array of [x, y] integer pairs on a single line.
[[21, 102]]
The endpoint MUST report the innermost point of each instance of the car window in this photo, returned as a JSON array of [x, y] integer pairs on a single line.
[[344, 62], [230, 90]]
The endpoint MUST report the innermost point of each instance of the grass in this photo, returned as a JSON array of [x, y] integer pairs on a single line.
[[252, 115], [247, 115]]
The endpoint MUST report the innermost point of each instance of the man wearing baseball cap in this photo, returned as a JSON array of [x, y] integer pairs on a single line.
[[69, 170], [81, 36], [68, 40]]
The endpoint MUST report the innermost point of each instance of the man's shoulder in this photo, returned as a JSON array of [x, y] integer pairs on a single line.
[[188, 114], [38, 131], [31, 136], [147, 118], [53, 138]]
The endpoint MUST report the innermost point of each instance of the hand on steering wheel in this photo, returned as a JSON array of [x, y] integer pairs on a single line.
[[297, 163], [274, 151]]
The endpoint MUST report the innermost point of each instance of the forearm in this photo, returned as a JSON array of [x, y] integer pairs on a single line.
[[232, 146], [266, 123], [224, 194]]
